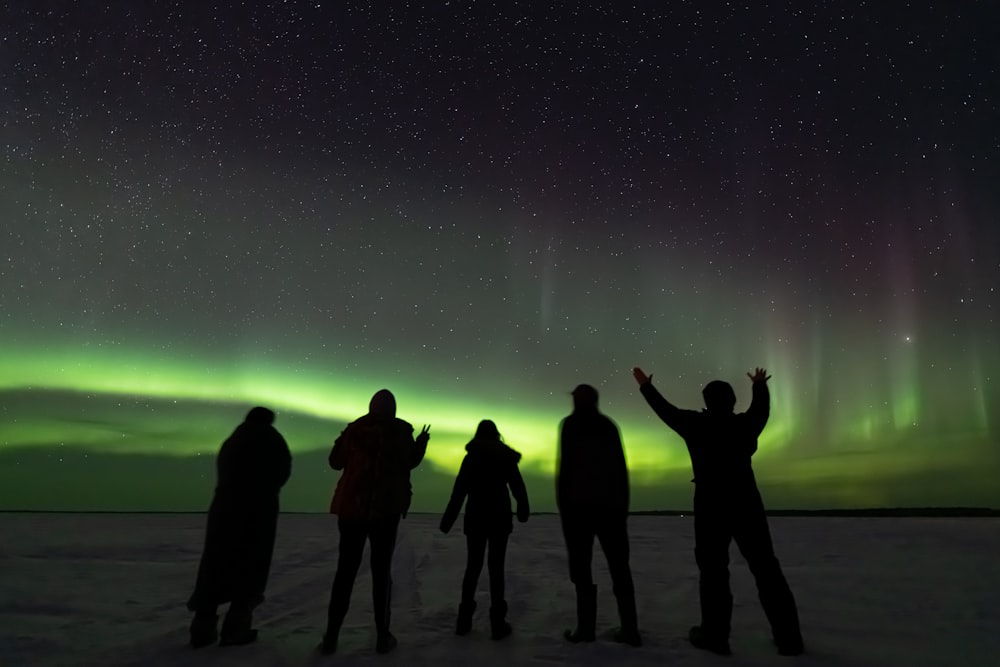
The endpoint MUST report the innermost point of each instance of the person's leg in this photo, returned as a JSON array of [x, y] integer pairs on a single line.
[[213, 584], [578, 531], [475, 554], [711, 552], [252, 564], [499, 626], [383, 542], [204, 629], [353, 534], [613, 536], [753, 538]]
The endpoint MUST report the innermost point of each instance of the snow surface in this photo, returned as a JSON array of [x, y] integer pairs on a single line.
[[109, 589]]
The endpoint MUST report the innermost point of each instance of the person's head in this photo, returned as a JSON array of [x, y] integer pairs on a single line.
[[260, 415], [719, 396], [584, 397], [382, 405], [487, 430]]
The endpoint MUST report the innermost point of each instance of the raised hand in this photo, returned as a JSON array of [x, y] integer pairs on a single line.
[[759, 375], [641, 377], [425, 434]]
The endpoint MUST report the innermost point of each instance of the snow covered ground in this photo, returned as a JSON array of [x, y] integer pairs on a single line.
[[109, 589]]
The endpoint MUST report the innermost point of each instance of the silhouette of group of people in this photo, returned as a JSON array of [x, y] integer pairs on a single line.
[[375, 455]]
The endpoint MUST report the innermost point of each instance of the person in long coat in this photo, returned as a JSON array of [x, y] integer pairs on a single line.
[[728, 507], [488, 470], [375, 455], [251, 467]]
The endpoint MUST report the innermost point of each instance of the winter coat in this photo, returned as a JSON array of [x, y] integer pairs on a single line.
[[252, 466], [376, 454], [720, 444], [489, 468], [591, 474]]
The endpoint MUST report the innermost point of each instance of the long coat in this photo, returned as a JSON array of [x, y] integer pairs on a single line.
[[252, 466], [488, 470]]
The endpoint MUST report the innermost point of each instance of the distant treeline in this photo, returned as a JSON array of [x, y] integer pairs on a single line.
[[872, 511], [865, 512]]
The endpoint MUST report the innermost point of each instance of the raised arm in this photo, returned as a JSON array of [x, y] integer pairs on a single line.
[[420, 446], [458, 493], [760, 403], [664, 409]]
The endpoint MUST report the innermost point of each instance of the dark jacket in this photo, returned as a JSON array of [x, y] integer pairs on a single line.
[[489, 468], [591, 474], [721, 444], [376, 454]]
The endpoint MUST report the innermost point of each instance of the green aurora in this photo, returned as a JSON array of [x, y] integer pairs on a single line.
[[113, 431]]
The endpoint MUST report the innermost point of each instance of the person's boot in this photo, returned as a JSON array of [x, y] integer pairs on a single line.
[[236, 629], [708, 641], [464, 622], [790, 645], [586, 615], [204, 629], [385, 642], [499, 627], [628, 631]]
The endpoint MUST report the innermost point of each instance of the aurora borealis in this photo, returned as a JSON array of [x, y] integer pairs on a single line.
[[212, 205]]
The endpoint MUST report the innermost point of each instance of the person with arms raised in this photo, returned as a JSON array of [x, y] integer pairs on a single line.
[[727, 507]]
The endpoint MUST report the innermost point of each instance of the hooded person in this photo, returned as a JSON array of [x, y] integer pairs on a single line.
[[252, 465], [375, 455], [592, 494], [488, 470], [727, 507]]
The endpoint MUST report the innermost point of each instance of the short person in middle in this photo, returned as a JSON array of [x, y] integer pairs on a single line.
[[489, 468]]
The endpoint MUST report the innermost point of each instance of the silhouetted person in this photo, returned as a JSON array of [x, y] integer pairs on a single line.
[[728, 506], [252, 466], [376, 453], [489, 468], [592, 494]]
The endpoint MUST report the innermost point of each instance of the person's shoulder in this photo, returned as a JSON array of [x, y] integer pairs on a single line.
[[510, 453], [606, 421], [402, 425]]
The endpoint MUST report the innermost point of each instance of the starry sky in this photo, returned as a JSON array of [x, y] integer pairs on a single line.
[[480, 205]]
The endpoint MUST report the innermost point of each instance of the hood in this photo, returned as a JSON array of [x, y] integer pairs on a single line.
[[382, 405]]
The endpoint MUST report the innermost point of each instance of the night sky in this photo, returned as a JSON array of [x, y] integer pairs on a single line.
[[479, 205]]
